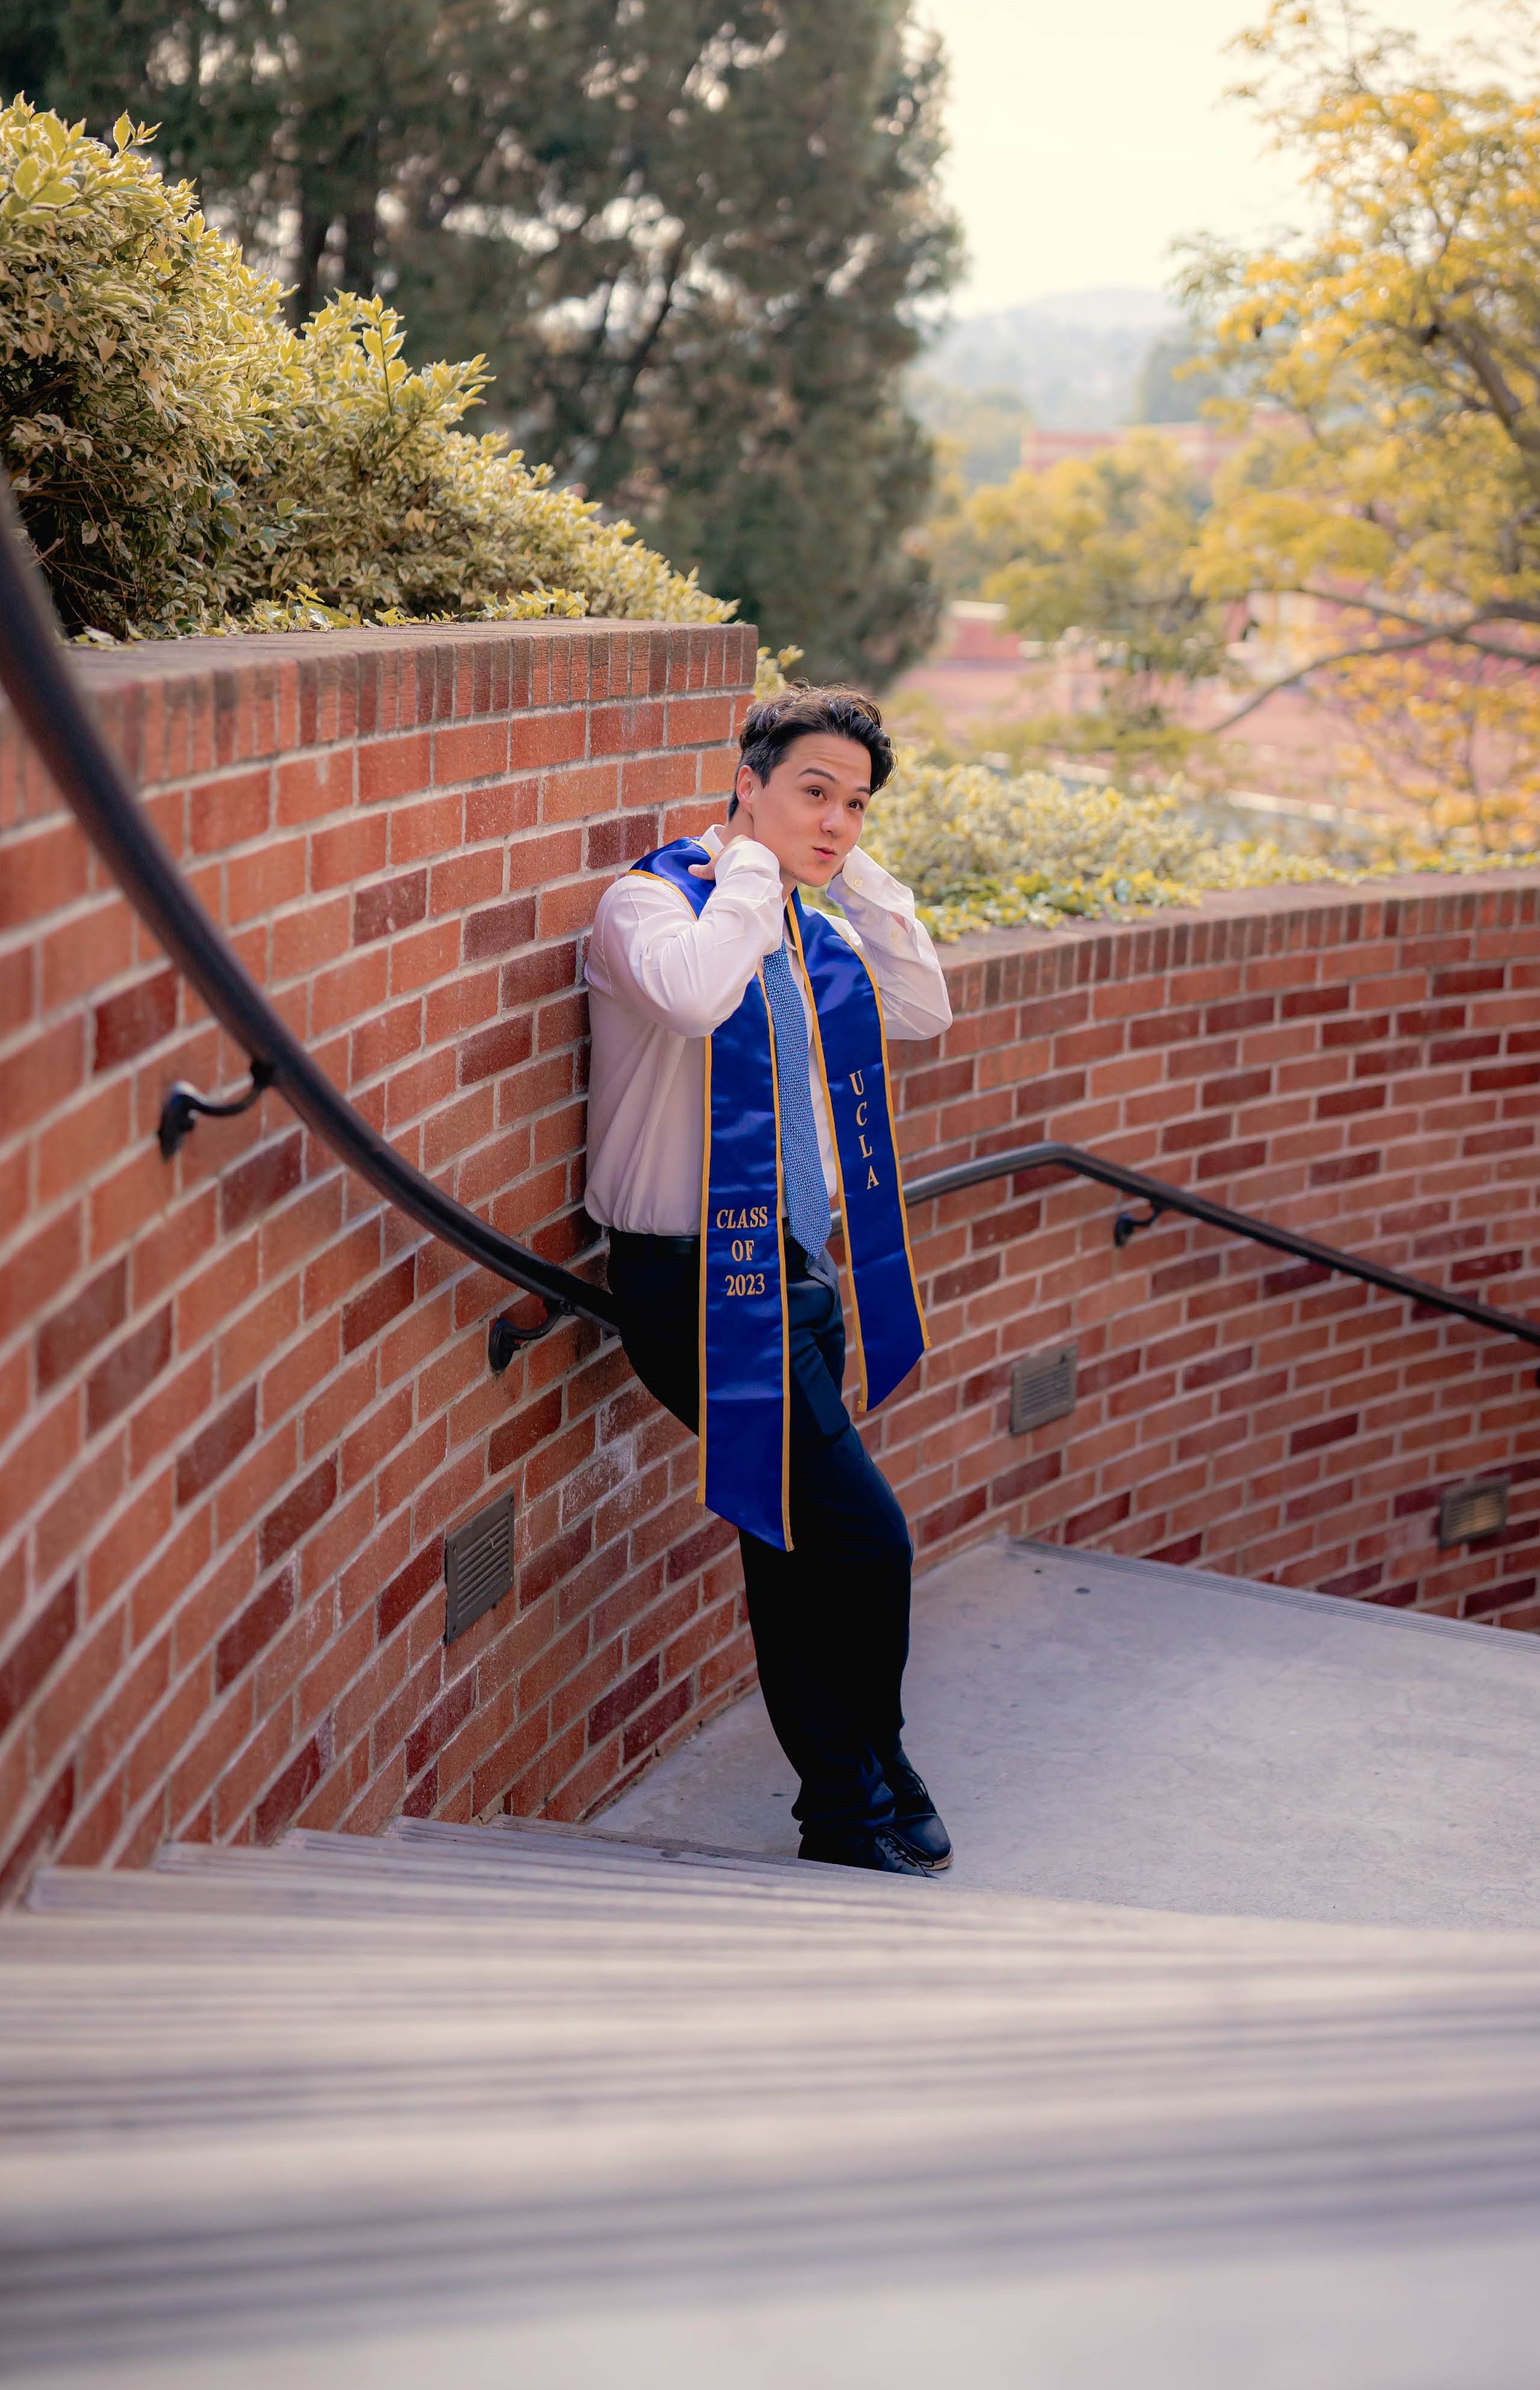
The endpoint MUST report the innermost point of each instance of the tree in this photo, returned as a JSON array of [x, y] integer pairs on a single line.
[[693, 246], [1401, 335], [1099, 547], [1101, 543], [1384, 372], [29, 47], [1458, 735]]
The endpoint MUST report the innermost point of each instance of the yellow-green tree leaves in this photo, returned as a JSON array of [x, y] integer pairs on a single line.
[[1400, 337]]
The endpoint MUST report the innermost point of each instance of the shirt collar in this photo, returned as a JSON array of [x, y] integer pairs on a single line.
[[711, 841]]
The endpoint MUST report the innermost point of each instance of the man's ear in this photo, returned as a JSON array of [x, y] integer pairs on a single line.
[[744, 787]]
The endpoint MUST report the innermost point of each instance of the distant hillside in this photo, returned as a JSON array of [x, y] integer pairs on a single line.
[[1074, 357]]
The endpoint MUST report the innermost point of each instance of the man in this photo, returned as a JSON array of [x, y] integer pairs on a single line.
[[739, 1095]]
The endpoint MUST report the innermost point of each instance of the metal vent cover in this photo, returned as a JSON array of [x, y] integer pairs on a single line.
[[478, 1565], [1466, 1511], [1042, 1388]]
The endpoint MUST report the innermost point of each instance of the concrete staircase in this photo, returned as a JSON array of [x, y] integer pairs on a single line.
[[527, 2105]]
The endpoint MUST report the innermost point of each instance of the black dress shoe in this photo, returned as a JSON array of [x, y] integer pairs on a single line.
[[878, 1849], [916, 1823]]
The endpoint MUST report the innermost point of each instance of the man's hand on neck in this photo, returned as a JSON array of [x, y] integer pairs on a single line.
[[741, 825]]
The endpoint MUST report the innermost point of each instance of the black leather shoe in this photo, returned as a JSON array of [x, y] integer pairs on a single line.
[[916, 1823], [880, 1850]]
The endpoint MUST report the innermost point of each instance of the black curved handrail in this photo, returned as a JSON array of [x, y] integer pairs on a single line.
[[36, 675], [1161, 1197]]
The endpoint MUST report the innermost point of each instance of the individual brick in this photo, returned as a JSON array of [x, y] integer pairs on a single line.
[[389, 907], [214, 1450], [253, 1187], [298, 1513], [409, 1587], [368, 1313], [46, 868], [253, 1630], [431, 1733], [42, 1643], [491, 1051], [129, 1023], [68, 1335], [499, 930], [279, 1806], [122, 1375]]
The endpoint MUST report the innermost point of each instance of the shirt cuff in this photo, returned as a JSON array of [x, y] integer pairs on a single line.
[[746, 860], [749, 873], [873, 899]]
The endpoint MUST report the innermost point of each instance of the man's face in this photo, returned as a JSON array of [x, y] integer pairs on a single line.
[[809, 813]]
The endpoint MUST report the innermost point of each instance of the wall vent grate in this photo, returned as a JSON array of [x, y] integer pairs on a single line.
[[1469, 1511], [478, 1566], [1042, 1388]]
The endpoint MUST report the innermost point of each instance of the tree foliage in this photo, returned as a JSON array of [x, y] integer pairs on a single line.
[[1455, 735], [984, 849], [1101, 543], [181, 456], [1100, 546], [691, 244], [1401, 335], [1382, 378]]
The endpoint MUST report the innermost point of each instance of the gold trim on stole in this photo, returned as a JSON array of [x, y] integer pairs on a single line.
[[838, 1167], [700, 1329], [780, 1243], [898, 1165]]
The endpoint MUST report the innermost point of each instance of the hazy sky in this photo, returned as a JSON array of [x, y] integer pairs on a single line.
[[1088, 134]]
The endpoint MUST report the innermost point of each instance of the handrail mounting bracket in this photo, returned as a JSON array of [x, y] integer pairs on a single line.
[[179, 1113], [1128, 1224], [505, 1338]]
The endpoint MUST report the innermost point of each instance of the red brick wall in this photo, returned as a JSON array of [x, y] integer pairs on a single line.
[[1361, 1066], [241, 1402]]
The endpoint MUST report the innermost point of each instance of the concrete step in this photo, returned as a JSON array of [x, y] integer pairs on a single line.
[[481, 2103], [365, 1882]]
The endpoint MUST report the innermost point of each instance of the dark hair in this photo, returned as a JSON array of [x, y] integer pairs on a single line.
[[772, 726]]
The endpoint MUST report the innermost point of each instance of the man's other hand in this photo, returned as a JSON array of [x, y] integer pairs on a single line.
[[737, 828]]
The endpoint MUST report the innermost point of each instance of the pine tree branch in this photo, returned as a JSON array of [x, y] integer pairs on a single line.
[[635, 364]]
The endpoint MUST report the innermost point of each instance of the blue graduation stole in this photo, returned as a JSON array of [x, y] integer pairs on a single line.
[[745, 1405]]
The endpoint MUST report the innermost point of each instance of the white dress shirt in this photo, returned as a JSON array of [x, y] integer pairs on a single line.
[[661, 979]]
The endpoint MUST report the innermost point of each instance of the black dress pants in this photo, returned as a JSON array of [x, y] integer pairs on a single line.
[[830, 1618]]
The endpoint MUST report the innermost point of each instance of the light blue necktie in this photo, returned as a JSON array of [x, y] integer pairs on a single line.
[[806, 1193]]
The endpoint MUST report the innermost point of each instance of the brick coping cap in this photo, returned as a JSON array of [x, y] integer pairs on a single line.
[[110, 671], [1281, 900], [147, 660]]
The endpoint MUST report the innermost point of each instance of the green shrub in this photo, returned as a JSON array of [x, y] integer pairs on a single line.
[[985, 851], [186, 462], [982, 850]]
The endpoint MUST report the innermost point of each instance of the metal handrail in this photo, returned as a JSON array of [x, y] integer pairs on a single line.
[[36, 675], [1162, 1196]]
